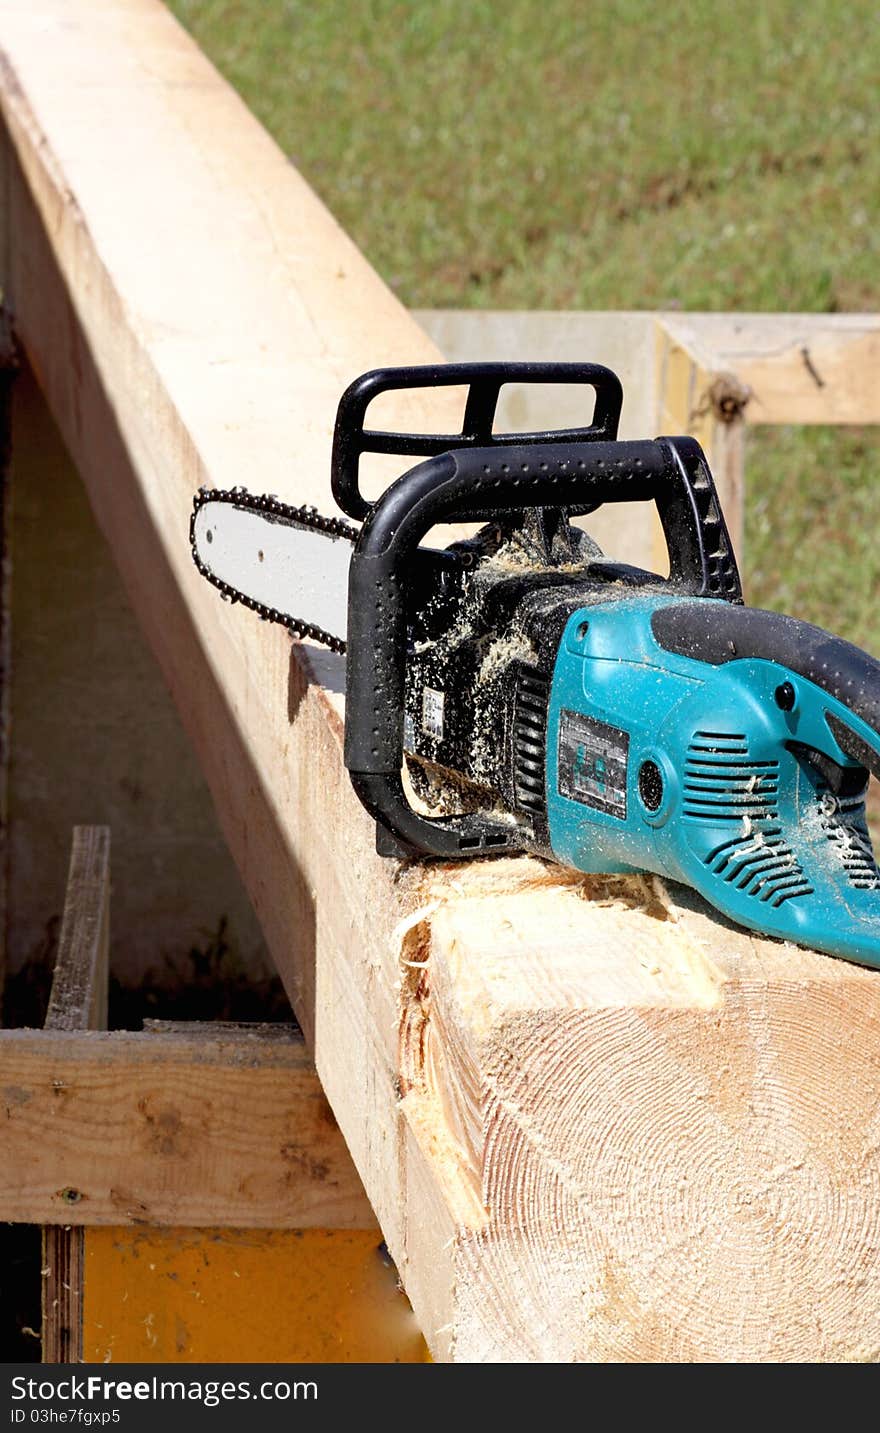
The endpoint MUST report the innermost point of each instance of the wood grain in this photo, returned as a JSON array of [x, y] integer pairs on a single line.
[[672, 1129], [200, 1125]]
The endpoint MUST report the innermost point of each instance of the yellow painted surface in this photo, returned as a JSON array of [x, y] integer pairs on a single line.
[[244, 1296], [682, 387]]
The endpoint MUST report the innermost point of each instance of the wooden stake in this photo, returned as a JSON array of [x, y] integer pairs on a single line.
[[78, 1001]]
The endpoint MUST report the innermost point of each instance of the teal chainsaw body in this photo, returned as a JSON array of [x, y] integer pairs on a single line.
[[520, 691], [724, 774]]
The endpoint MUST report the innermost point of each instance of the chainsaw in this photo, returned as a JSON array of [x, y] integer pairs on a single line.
[[519, 691]]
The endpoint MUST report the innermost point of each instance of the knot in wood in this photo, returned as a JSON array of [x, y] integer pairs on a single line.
[[726, 398]]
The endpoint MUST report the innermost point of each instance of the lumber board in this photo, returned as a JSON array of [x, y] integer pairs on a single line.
[[594, 1122], [797, 368], [695, 395], [62, 1273], [711, 376], [211, 348], [668, 385], [671, 1126], [193, 1125]]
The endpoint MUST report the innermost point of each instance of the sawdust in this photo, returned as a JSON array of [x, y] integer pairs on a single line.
[[480, 635], [515, 646], [839, 837], [519, 875], [438, 790], [490, 700]]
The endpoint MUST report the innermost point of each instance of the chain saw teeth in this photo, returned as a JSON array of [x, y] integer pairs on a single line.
[[270, 506]]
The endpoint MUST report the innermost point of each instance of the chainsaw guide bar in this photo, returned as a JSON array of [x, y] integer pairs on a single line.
[[208, 504]]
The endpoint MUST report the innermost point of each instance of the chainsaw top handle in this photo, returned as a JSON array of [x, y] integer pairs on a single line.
[[486, 484], [484, 382]]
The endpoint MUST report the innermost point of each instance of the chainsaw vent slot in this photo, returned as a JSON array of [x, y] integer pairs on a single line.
[[531, 699], [847, 830], [762, 865], [722, 783]]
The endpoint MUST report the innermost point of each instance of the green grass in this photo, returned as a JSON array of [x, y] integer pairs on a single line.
[[813, 527], [610, 154]]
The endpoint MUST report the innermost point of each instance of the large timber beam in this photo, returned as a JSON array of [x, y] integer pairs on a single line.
[[594, 1122]]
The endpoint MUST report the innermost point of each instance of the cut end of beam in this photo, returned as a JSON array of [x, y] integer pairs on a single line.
[[647, 1107]]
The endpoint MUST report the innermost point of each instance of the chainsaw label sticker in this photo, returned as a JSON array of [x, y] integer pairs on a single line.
[[592, 763], [432, 712]]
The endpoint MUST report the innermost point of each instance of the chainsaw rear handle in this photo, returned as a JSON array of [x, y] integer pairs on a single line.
[[484, 382], [481, 485], [849, 677]]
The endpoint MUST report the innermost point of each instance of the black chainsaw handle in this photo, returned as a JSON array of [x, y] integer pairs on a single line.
[[484, 382], [481, 485]]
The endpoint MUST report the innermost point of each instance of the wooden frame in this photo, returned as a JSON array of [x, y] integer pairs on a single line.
[[194, 1150], [594, 1122], [188, 1123], [707, 374]]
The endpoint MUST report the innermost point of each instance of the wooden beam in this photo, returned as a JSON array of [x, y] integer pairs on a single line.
[[670, 1128], [716, 373], [77, 1001], [112, 1142], [210, 1125], [710, 404], [216, 356], [707, 374], [593, 1121]]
